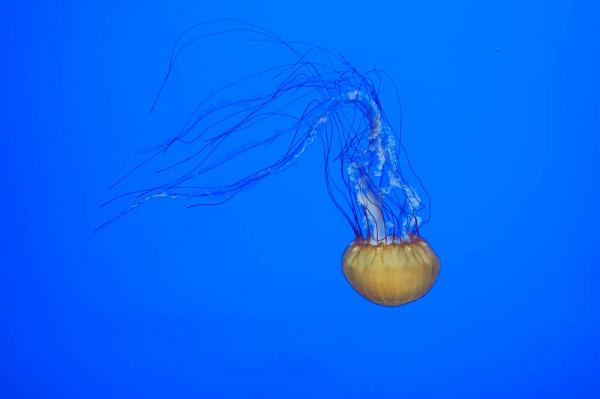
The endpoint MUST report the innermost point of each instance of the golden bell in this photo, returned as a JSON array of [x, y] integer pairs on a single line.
[[391, 274]]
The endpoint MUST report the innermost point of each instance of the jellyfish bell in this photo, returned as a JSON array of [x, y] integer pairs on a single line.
[[391, 274]]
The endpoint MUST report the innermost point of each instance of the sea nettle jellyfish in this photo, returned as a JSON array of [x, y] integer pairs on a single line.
[[317, 96]]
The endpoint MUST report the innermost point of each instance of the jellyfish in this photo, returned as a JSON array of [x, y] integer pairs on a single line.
[[230, 142]]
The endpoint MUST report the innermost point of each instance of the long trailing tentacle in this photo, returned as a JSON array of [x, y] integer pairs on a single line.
[[318, 94]]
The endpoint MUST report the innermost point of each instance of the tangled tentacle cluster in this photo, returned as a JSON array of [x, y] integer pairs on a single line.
[[318, 95]]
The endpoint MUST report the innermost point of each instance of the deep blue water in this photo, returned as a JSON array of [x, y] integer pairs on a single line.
[[247, 300]]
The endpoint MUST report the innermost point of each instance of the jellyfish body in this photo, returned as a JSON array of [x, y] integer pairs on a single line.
[[317, 96], [391, 274]]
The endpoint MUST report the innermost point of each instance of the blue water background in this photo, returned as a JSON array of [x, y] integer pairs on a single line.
[[247, 300]]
